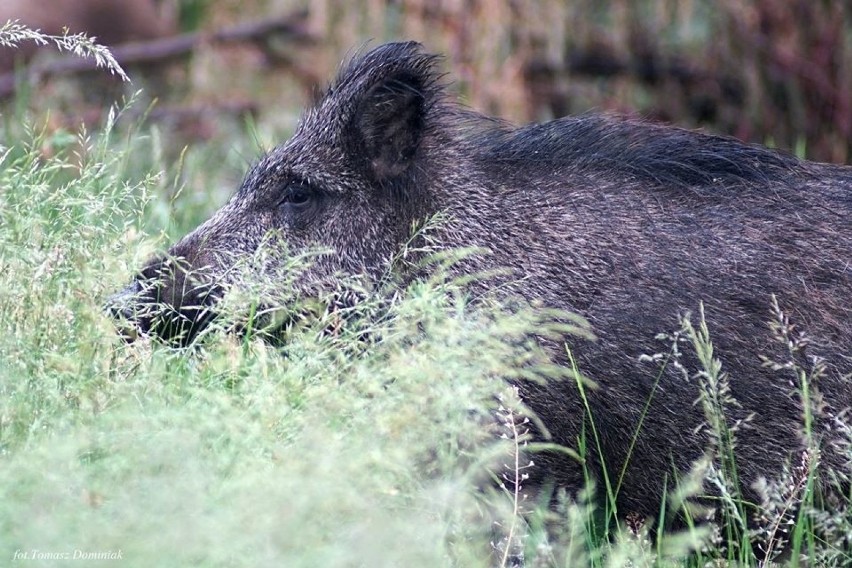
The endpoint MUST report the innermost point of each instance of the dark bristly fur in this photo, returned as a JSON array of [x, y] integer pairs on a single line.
[[627, 223]]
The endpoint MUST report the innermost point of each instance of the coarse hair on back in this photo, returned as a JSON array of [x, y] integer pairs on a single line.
[[618, 146]]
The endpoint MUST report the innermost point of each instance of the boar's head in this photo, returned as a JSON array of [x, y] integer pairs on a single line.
[[349, 181]]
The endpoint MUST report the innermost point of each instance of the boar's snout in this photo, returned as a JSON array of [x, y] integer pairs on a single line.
[[166, 302], [122, 307]]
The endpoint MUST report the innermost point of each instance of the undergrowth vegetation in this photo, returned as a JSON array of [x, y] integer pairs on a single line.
[[393, 440], [234, 451]]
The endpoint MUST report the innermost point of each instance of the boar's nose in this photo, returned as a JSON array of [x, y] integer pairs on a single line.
[[123, 306]]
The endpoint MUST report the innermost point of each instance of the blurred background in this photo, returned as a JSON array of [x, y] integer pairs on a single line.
[[777, 72]]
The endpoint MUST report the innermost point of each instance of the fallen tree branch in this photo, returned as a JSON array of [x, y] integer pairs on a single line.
[[163, 50]]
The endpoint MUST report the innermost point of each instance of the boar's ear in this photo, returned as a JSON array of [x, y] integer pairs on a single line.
[[389, 122]]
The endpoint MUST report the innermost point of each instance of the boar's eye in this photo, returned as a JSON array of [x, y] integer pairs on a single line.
[[296, 194]]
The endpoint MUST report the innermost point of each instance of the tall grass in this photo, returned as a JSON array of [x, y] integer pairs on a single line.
[[234, 452]]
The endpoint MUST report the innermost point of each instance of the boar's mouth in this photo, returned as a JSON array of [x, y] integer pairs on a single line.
[[174, 309]]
